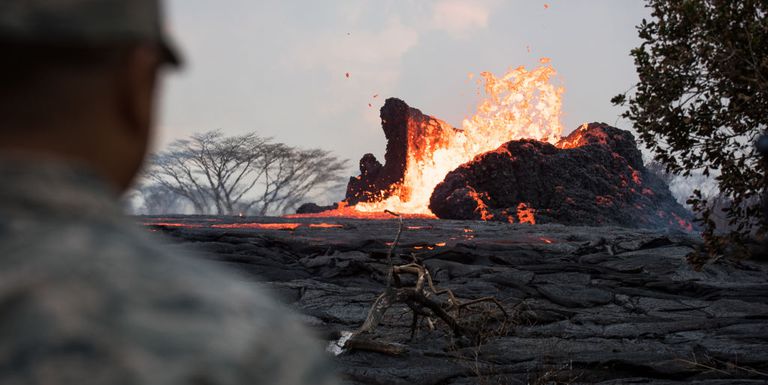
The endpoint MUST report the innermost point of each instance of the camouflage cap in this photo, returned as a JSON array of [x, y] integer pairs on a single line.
[[85, 21]]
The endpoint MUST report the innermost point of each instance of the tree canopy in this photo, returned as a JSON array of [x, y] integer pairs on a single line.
[[228, 175], [702, 101]]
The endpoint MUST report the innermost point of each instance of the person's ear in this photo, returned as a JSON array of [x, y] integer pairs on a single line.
[[137, 82]]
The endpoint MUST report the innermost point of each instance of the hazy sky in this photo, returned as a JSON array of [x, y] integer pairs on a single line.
[[278, 67]]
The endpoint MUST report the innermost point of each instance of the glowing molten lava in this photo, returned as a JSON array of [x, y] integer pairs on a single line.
[[525, 214], [344, 210], [259, 226], [521, 104]]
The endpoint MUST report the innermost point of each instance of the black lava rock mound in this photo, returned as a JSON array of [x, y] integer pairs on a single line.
[[408, 131], [593, 177]]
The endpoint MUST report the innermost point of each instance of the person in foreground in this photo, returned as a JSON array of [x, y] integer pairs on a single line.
[[86, 297]]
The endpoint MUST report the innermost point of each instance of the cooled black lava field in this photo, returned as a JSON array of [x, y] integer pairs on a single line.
[[587, 304]]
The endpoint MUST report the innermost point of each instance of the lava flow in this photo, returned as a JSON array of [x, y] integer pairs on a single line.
[[344, 210], [507, 163], [518, 105], [239, 225]]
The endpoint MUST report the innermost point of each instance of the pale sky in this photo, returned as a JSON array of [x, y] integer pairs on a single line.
[[277, 67]]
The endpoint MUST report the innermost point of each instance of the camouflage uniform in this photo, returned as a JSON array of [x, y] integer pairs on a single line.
[[88, 297]]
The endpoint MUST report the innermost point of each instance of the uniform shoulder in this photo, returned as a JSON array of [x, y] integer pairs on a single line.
[[150, 312]]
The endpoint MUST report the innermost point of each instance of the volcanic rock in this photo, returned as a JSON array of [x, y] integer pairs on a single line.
[[590, 305], [407, 131], [314, 208], [595, 176]]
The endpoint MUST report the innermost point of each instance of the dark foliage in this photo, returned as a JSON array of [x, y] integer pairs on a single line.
[[702, 102]]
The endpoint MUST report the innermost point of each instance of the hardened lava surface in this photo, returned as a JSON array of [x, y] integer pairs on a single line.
[[603, 305]]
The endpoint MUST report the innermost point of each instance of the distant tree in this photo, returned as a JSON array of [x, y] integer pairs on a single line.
[[222, 174], [702, 102], [211, 170], [157, 199], [294, 175]]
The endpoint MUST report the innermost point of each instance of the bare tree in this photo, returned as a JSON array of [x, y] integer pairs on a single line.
[[156, 199], [221, 174], [294, 174]]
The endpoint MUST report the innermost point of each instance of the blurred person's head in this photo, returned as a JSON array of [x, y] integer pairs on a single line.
[[78, 81]]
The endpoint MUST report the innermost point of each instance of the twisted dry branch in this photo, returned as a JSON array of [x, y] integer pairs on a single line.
[[422, 298]]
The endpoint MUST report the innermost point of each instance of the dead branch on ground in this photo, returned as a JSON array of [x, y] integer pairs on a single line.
[[424, 300]]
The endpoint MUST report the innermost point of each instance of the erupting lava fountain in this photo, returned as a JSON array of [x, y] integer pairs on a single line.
[[521, 104]]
